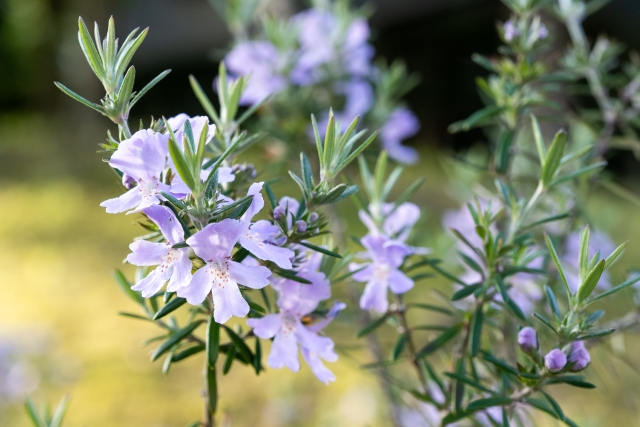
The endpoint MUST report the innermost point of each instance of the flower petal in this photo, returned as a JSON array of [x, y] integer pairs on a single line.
[[249, 275], [257, 203], [216, 241], [181, 275], [227, 302], [266, 327], [398, 282], [143, 155], [375, 297], [128, 200], [166, 220], [199, 287], [151, 284], [266, 251], [144, 252], [317, 367], [284, 352], [322, 346]]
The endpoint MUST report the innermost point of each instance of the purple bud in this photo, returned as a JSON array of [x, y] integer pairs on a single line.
[[278, 212], [128, 181], [527, 339], [302, 226], [313, 217], [579, 356], [555, 360]]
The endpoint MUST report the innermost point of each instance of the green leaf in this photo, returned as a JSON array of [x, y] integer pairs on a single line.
[[574, 380], [321, 250], [60, 411], [128, 50], [78, 98], [615, 255], [173, 200], [553, 158], [479, 118], [212, 185], [398, 347], [553, 303], [125, 286], [291, 275], [440, 341], [175, 338], [133, 316], [213, 342], [231, 355], [257, 360], [169, 308], [126, 89], [476, 337], [188, 352], [32, 412], [204, 100], [545, 321], [558, 264], [89, 50], [583, 258], [270, 196], [503, 152], [591, 281], [597, 334], [180, 161], [479, 404], [431, 307], [465, 292], [376, 323], [307, 173], [469, 381], [212, 389], [241, 346], [577, 173], [546, 220], [537, 136], [556, 407], [501, 364], [614, 290]]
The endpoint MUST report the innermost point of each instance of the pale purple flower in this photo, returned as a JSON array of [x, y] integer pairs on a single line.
[[400, 125], [221, 275], [555, 360], [325, 43], [424, 415], [263, 63], [295, 301], [579, 356], [258, 238], [142, 157], [174, 265], [382, 272], [599, 241], [527, 339], [510, 31]]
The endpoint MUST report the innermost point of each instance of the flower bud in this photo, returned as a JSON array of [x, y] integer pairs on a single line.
[[301, 226], [313, 217], [579, 356], [555, 360], [528, 339], [278, 212], [128, 181]]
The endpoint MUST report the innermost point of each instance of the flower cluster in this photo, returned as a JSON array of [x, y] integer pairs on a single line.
[[574, 357], [320, 49]]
